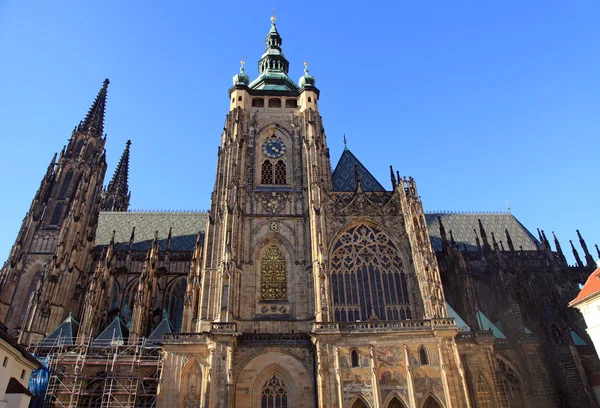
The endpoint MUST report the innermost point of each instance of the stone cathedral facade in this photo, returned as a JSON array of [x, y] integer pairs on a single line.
[[301, 287]]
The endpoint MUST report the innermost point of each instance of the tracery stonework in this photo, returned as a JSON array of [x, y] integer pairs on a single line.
[[273, 277]]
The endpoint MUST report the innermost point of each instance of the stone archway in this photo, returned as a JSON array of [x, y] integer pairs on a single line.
[[276, 376]]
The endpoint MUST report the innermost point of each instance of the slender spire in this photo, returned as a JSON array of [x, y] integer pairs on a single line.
[[94, 120], [393, 178], [588, 257], [442, 234], [345, 142], [452, 241], [486, 244], [494, 243], [117, 195], [509, 242], [597, 250], [546, 242], [576, 255], [557, 245]]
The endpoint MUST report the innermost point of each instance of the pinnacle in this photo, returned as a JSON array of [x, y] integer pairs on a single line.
[[117, 192], [94, 120]]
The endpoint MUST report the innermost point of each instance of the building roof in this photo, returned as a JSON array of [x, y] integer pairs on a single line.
[[4, 335], [67, 331], [185, 227], [591, 288], [115, 333], [15, 387], [157, 334], [464, 225], [344, 175]]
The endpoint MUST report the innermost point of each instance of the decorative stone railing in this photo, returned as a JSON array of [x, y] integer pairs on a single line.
[[223, 327], [385, 326], [185, 337], [276, 338]]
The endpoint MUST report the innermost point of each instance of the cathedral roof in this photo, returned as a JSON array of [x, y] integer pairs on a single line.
[[463, 225], [184, 227], [157, 334], [344, 175]]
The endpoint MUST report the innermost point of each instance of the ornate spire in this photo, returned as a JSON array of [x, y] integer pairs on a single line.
[[576, 255], [557, 245], [589, 259], [273, 59], [597, 250], [117, 195], [94, 120]]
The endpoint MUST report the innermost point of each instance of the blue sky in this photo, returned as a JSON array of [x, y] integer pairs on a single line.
[[481, 102]]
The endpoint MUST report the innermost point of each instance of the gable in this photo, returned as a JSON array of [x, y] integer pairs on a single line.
[[344, 175]]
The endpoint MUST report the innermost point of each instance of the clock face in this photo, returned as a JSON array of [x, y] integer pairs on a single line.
[[273, 148]]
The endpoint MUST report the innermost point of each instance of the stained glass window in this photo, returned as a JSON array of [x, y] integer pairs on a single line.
[[280, 172], [367, 279], [266, 175], [273, 277], [274, 394], [484, 394]]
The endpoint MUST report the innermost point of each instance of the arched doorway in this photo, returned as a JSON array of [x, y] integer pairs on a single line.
[[396, 403], [359, 403], [431, 402]]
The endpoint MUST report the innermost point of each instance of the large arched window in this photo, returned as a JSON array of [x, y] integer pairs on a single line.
[[266, 172], [280, 172], [175, 304], [274, 394], [273, 276], [367, 279], [511, 384]]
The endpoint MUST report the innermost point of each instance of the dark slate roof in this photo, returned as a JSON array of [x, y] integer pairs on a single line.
[[115, 332], [186, 226], [463, 224], [67, 330], [344, 177], [157, 335], [15, 387]]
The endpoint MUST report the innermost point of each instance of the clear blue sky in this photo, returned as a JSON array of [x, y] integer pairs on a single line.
[[481, 102]]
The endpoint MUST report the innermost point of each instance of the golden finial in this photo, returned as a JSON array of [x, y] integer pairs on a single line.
[[305, 67], [273, 18]]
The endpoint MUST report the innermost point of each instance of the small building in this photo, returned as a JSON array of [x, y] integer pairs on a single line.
[[17, 364], [588, 303]]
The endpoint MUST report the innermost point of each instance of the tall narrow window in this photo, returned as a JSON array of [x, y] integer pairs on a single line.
[[423, 357], [273, 279], [354, 358], [280, 172], [58, 208], [274, 394], [266, 174], [484, 394], [64, 188]]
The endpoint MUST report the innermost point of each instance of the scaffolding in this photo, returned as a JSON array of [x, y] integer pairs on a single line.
[[110, 375]]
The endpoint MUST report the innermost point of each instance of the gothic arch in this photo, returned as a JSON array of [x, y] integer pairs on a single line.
[[358, 401], [431, 401], [175, 294], [274, 274], [395, 400], [286, 161], [191, 385], [287, 250], [368, 277], [297, 377], [511, 382], [483, 392]]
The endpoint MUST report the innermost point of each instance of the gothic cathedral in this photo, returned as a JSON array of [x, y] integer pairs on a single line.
[[301, 287]]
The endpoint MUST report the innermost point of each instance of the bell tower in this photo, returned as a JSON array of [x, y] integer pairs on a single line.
[[259, 248]]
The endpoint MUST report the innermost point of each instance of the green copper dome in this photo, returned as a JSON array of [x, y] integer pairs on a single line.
[[306, 79], [241, 78]]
